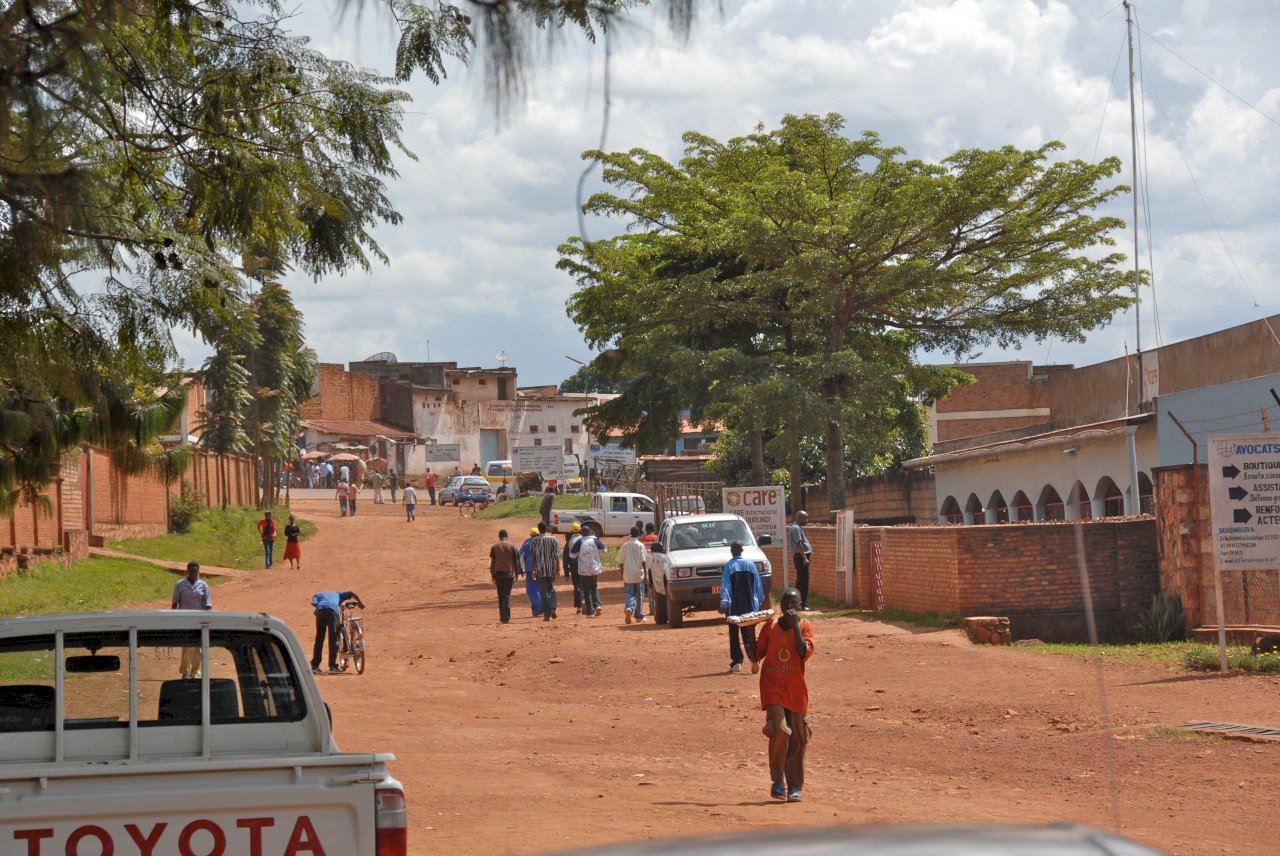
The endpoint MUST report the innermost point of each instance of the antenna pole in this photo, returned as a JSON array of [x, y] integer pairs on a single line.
[[1137, 277]]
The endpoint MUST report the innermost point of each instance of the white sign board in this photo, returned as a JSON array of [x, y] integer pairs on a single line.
[[442, 452], [1244, 500], [598, 456], [764, 509], [547, 461]]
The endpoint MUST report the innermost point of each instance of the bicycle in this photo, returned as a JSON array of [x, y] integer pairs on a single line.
[[468, 505], [350, 639]]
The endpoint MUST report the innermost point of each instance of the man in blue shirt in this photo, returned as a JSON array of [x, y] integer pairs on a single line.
[[327, 604], [530, 579], [741, 592], [191, 592], [801, 551]]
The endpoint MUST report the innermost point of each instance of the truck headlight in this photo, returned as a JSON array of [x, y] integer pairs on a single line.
[[768, 568], [684, 573]]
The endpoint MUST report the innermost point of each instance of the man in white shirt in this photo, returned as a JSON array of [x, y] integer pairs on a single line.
[[631, 559], [587, 551]]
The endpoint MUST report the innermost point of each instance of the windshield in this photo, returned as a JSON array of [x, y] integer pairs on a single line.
[[710, 533]]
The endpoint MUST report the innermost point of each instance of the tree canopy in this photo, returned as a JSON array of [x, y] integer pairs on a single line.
[[786, 279], [148, 146]]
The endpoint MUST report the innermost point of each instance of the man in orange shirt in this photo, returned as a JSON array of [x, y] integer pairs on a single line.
[[782, 647], [267, 530]]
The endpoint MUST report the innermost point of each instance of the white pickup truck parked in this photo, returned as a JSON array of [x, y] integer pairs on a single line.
[[609, 514], [106, 749]]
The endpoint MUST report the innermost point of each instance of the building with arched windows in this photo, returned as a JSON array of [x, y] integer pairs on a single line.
[[1036, 443]]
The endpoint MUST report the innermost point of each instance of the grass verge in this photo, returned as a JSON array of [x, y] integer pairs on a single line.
[[225, 537], [89, 585], [527, 506]]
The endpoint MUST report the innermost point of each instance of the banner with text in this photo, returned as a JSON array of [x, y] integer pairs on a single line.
[[764, 509], [1244, 500], [547, 461]]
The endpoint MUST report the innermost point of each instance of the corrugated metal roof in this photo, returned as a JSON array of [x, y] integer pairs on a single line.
[[355, 428]]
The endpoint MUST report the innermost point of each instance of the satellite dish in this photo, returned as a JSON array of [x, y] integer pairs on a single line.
[[502, 357], [381, 357]]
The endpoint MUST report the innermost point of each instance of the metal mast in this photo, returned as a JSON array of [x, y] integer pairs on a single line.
[[1133, 141]]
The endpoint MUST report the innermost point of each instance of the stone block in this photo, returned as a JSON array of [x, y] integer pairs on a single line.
[[988, 630]]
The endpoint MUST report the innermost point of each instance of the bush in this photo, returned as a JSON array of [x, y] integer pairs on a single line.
[[1165, 621], [184, 510], [1206, 660]]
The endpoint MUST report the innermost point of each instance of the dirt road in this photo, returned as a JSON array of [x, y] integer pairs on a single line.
[[535, 737]]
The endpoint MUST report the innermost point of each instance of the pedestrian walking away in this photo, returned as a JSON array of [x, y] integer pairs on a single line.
[[292, 549], [570, 561], [191, 592], [741, 592], [784, 645], [530, 579], [650, 536], [343, 493], [353, 490], [410, 503], [431, 485], [545, 555], [393, 482], [326, 605], [631, 559], [587, 550], [504, 564], [548, 500], [267, 531], [801, 551], [375, 481]]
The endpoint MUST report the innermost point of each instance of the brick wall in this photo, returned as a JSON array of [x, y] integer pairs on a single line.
[[889, 498], [1027, 572], [343, 395], [999, 386]]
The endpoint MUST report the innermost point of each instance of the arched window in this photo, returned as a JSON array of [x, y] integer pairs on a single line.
[[1109, 497], [997, 509], [1146, 494], [1051, 506], [951, 512], [1022, 509], [973, 512], [1079, 503]]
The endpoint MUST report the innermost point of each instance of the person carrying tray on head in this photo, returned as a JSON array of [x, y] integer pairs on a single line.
[[741, 591]]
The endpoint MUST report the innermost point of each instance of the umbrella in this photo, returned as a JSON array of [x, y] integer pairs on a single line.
[[377, 463], [311, 456], [344, 457]]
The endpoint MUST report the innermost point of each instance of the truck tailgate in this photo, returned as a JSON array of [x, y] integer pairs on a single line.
[[306, 805]]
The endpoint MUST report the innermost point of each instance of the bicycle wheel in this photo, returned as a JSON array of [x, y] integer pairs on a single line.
[[342, 649], [357, 651], [467, 509]]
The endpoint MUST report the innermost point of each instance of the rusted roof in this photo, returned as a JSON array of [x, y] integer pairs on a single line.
[[355, 428]]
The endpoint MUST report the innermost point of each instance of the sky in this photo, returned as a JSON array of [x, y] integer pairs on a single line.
[[472, 267]]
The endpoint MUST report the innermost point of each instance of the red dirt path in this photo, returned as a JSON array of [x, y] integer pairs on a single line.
[[535, 737]]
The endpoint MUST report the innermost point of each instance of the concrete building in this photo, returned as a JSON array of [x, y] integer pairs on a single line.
[[440, 415], [1048, 443]]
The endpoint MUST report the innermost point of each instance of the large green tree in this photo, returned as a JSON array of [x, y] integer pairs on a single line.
[[827, 261], [147, 145]]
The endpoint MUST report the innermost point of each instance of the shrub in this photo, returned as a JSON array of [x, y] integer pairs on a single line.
[[184, 510], [1165, 621], [1206, 660]]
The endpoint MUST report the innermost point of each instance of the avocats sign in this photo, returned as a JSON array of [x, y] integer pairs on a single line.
[[764, 508]]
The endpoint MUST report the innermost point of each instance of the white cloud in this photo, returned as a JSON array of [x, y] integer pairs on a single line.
[[473, 266]]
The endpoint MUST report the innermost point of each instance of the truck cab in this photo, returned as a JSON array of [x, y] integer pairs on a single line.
[[102, 737], [609, 514]]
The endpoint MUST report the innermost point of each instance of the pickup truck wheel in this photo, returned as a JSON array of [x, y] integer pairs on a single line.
[[658, 606], [675, 613]]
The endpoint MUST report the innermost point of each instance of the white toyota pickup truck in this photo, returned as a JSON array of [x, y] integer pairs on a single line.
[[106, 749]]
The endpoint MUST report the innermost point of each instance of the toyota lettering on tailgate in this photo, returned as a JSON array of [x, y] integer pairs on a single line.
[[201, 837]]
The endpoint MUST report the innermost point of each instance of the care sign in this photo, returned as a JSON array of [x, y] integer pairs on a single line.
[[1244, 500], [764, 508]]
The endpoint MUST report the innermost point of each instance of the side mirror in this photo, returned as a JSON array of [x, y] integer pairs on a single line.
[[92, 663], [765, 540]]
